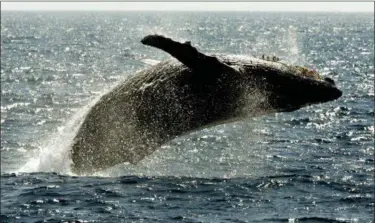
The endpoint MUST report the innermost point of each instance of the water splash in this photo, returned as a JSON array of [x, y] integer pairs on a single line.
[[292, 43], [54, 154]]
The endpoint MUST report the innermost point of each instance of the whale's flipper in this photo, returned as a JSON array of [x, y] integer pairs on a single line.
[[185, 53]]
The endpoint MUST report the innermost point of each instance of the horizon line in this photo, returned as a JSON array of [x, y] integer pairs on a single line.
[[191, 6], [174, 10]]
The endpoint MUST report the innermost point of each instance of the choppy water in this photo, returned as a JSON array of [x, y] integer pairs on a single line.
[[312, 165]]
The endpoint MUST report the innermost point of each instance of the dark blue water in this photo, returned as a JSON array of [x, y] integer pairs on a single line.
[[312, 165]]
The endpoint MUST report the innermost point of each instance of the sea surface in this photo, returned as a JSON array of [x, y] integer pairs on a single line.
[[312, 165]]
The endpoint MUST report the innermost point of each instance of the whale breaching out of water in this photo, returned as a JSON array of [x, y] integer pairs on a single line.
[[190, 93]]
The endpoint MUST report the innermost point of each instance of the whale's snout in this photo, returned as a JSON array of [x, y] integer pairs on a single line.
[[289, 93], [330, 92], [335, 94]]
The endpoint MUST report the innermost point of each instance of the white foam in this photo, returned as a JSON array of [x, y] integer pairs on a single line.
[[53, 155]]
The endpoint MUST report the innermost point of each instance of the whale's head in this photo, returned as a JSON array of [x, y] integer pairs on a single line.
[[289, 87]]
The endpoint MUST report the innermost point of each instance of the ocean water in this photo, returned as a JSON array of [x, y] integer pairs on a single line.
[[312, 165]]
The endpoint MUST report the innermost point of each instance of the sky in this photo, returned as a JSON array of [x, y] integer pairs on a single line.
[[190, 6]]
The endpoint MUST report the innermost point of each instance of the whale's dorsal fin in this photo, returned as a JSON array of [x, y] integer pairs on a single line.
[[185, 53]]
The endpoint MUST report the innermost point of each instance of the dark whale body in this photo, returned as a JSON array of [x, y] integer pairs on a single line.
[[192, 92]]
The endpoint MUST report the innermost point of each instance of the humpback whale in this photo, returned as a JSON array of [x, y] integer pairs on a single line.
[[190, 91]]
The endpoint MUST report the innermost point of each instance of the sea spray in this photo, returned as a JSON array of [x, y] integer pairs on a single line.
[[54, 153]]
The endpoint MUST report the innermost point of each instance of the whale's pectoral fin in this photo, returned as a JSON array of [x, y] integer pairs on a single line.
[[185, 53]]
